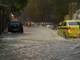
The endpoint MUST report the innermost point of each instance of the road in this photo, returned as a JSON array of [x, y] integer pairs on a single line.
[[38, 43]]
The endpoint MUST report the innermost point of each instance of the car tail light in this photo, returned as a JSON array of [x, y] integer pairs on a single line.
[[71, 29]]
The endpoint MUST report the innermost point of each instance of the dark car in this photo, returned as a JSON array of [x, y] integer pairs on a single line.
[[15, 26]]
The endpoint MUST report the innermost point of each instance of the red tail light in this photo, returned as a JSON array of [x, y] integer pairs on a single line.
[[71, 29]]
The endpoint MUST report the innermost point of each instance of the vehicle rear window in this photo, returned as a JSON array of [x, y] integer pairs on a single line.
[[14, 23], [73, 23]]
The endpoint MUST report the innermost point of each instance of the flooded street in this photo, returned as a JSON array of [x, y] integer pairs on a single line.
[[38, 43]]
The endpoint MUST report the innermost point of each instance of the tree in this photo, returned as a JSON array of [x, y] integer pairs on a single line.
[[7, 7], [37, 9], [48, 10], [14, 5], [58, 9]]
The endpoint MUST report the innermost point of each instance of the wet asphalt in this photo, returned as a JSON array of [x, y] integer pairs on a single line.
[[38, 43]]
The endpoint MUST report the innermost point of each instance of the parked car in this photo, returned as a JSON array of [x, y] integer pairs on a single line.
[[15, 26], [69, 28]]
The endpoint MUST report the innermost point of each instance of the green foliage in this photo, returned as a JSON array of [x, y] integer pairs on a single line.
[[17, 4], [59, 7], [37, 9]]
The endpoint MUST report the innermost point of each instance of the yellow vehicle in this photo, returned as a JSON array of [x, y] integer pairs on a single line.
[[69, 28]]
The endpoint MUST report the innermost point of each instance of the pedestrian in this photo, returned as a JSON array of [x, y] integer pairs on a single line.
[[29, 23]]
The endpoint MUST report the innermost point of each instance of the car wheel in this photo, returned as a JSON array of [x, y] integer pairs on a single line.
[[9, 30], [21, 30]]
